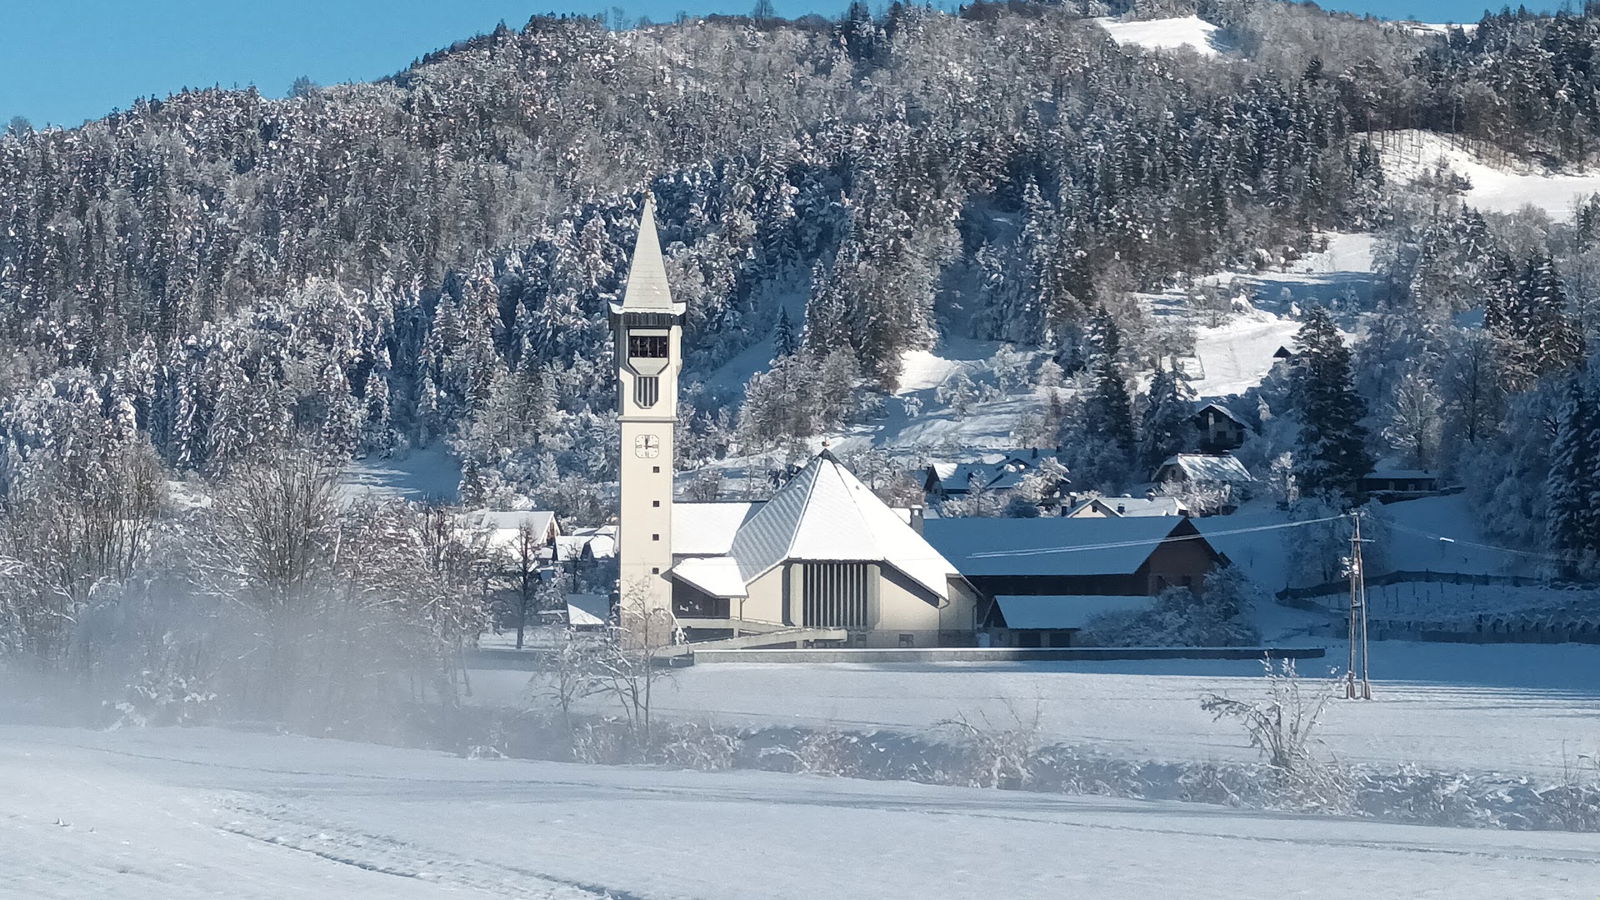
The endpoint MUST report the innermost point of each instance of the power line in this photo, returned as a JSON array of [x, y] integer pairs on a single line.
[[1116, 545]]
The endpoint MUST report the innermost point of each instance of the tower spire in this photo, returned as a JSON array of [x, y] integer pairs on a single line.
[[647, 289]]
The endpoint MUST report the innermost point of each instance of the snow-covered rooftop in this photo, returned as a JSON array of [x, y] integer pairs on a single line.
[[588, 610], [1050, 545], [1127, 506], [717, 576], [1064, 612], [823, 513], [502, 528], [1199, 467], [826, 513], [707, 529]]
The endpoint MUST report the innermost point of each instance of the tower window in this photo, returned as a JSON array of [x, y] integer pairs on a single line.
[[647, 346], [655, 470], [655, 503], [646, 391], [655, 537]]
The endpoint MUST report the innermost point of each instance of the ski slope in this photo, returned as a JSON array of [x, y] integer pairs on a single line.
[[1190, 32], [181, 813], [1497, 187]]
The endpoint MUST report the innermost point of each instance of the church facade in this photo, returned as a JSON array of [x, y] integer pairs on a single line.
[[823, 552]]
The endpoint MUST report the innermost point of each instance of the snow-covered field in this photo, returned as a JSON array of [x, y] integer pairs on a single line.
[[1524, 709], [1497, 187], [178, 813], [1192, 32]]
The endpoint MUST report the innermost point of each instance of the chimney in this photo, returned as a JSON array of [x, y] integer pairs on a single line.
[[916, 518]]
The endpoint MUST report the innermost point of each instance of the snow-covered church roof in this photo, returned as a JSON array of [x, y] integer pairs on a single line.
[[823, 514]]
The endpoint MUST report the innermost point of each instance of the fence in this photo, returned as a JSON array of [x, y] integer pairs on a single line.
[[1553, 626]]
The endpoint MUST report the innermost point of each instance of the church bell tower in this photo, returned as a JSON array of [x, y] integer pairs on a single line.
[[648, 327]]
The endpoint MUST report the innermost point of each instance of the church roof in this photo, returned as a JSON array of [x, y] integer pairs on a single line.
[[707, 529], [647, 289], [823, 514]]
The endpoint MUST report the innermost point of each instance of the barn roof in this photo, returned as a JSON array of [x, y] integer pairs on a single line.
[[1053, 545]]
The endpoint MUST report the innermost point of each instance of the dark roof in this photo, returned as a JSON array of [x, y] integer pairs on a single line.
[[1053, 545]]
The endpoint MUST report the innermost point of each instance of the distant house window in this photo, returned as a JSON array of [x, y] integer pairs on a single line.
[[647, 346], [834, 595], [646, 391]]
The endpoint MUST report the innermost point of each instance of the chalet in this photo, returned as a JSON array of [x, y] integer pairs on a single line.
[[1283, 353], [1119, 507], [1041, 580], [502, 533], [823, 552], [1220, 428], [1204, 470], [1388, 483], [955, 480]]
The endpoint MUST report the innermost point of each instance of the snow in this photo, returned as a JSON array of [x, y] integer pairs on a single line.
[[1192, 32], [178, 813], [1497, 187], [1233, 355], [1510, 708], [429, 474]]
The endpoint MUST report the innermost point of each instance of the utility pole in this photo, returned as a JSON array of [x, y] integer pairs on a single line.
[[1358, 618]]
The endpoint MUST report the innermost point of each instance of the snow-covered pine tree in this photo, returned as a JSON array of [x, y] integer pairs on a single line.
[[1166, 421], [1108, 412], [784, 340], [1573, 485], [1331, 455]]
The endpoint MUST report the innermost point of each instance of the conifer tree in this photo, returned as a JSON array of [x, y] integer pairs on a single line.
[[1108, 412], [1166, 418], [1331, 456], [785, 340], [1573, 485]]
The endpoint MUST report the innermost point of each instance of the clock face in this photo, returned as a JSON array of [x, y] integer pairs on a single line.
[[647, 446]]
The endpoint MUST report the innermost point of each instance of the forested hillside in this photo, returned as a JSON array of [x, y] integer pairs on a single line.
[[428, 258]]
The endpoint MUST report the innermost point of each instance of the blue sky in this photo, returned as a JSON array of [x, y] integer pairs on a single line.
[[63, 61]]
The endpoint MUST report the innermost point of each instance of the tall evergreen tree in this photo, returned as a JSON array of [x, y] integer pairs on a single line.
[[1108, 411], [785, 340], [1573, 485], [1331, 456], [1166, 423]]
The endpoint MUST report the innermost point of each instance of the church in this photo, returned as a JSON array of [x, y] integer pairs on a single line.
[[823, 552]]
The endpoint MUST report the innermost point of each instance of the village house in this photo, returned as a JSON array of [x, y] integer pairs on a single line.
[[1039, 581], [1388, 482], [945, 481], [1212, 483], [502, 533], [1119, 507], [1220, 428]]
